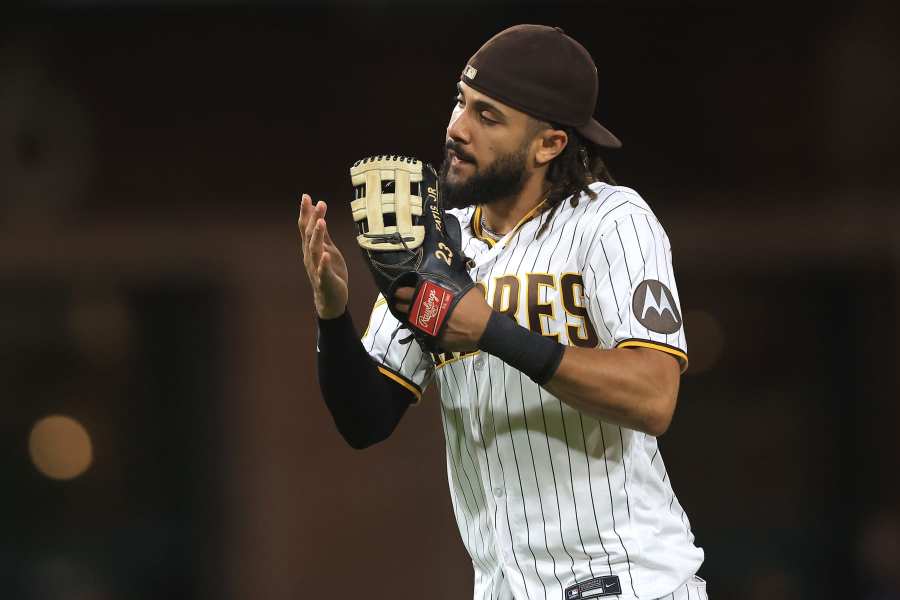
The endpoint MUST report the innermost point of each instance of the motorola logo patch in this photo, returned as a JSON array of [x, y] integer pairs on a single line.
[[655, 307]]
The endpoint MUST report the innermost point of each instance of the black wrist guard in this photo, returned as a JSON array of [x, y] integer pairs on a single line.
[[531, 353]]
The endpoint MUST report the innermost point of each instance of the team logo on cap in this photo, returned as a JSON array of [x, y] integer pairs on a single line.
[[655, 307], [470, 72]]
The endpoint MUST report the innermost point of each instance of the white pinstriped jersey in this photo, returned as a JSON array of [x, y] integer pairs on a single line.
[[547, 497]]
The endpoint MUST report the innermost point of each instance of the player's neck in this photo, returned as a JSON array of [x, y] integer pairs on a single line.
[[503, 215]]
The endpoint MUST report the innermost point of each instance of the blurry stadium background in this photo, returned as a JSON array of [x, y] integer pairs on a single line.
[[162, 434]]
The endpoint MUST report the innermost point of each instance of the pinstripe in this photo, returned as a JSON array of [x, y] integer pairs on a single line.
[[612, 287], [562, 419], [656, 252], [597, 223], [637, 241], [624, 254], [459, 510], [666, 254], [575, 219], [668, 263], [423, 357], [625, 203], [477, 411], [555, 489], [387, 350], [460, 466], [598, 236], [612, 511], [587, 458], [545, 240], [503, 477], [405, 354], [625, 474], [459, 392], [537, 479], [521, 488], [587, 222], [637, 238], [378, 330], [600, 309]]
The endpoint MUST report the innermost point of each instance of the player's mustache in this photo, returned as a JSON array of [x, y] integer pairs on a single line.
[[462, 154]]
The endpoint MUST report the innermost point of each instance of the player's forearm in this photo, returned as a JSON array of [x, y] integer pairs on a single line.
[[634, 387], [365, 406]]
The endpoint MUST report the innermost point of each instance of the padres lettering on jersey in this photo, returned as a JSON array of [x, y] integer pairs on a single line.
[[548, 499]]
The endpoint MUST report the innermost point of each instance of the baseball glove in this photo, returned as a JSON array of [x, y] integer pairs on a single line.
[[409, 241]]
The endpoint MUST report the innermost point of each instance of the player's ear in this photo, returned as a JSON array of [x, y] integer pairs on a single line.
[[549, 144]]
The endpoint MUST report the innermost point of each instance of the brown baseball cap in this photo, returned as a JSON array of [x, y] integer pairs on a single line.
[[542, 72]]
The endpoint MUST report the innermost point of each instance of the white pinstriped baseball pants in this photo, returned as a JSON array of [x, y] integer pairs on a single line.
[[693, 589]]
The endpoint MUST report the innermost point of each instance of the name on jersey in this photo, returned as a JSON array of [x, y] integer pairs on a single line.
[[550, 305]]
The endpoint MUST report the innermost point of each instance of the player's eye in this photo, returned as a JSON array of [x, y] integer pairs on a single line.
[[487, 120], [457, 101]]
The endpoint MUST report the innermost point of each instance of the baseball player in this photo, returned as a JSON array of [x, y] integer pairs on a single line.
[[558, 365]]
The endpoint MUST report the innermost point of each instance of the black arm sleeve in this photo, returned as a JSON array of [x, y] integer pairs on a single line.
[[365, 405]]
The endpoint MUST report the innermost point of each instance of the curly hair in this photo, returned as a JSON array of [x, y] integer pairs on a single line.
[[570, 173]]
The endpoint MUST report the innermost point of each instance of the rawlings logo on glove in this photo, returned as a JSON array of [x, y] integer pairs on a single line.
[[423, 313], [409, 241]]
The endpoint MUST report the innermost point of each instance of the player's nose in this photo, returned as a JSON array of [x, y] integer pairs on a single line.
[[458, 129]]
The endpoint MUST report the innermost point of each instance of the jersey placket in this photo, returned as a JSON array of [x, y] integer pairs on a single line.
[[491, 411], [490, 477], [484, 389]]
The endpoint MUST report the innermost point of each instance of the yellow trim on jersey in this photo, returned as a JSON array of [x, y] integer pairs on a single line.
[[396, 377], [681, 356], [457, 358], [476, 227], [476, 223]]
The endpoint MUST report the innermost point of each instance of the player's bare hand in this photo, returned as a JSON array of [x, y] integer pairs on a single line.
[[325, 265], [466, 323]]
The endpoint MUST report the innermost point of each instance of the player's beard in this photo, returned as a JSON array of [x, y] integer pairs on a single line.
[[503, 178]]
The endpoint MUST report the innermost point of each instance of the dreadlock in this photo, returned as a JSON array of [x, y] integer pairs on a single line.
[[570, 173]]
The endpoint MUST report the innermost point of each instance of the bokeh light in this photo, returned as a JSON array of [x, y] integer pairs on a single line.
[[60, 447]]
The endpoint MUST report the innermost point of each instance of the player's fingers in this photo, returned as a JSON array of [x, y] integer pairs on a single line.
[[327, 276], [315, 241], [326, 238], [316, 214], [305, 210], [403, 299], [404, 294]]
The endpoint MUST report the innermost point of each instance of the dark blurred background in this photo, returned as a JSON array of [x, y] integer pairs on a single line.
[[162, 433]]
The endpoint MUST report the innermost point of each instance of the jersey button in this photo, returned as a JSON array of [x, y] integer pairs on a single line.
[[479, 361], [498, 492]]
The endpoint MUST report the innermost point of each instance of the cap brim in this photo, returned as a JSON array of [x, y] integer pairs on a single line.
[[599, 134]]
